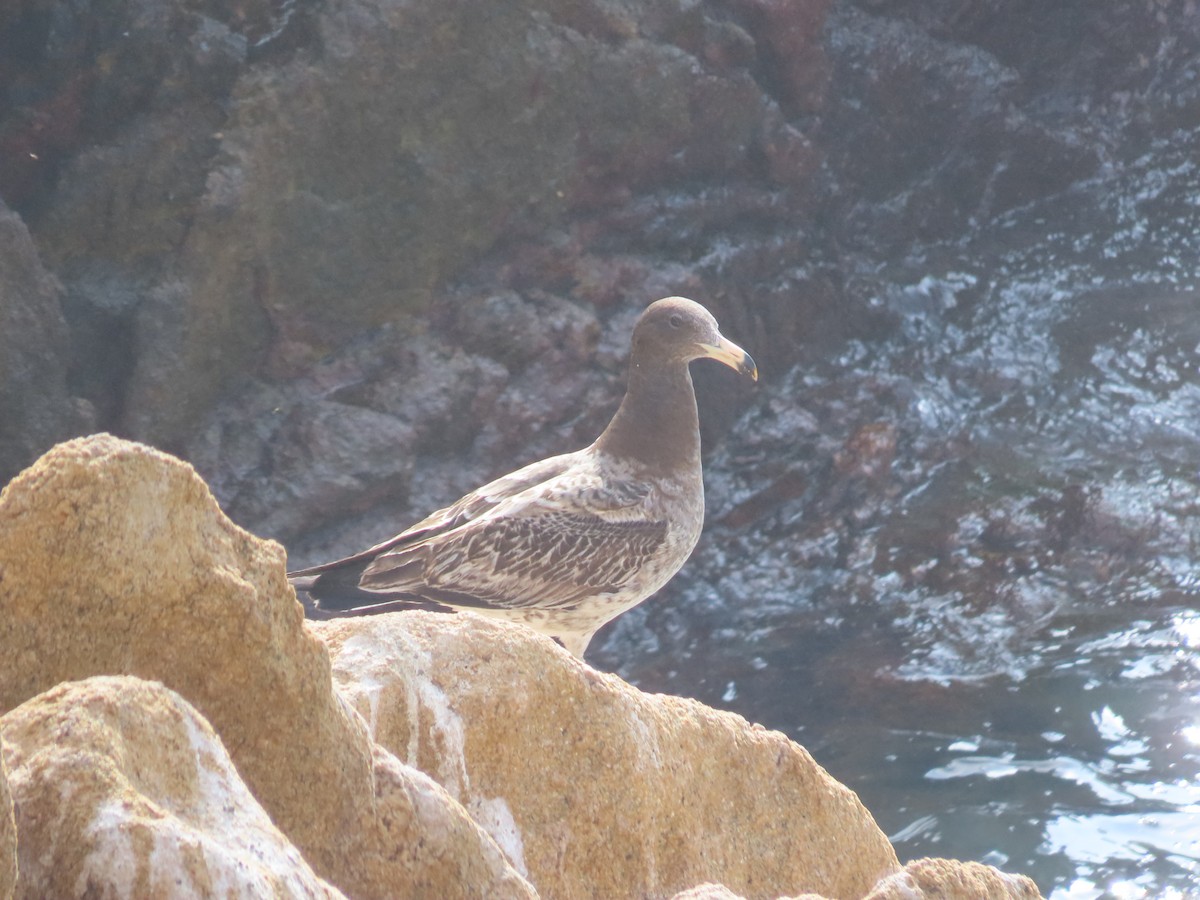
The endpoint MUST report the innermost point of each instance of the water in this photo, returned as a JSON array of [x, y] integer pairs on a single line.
[[960, 562], [1083, 774]]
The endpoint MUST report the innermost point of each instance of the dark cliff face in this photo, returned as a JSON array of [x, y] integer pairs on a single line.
[[351, 261]]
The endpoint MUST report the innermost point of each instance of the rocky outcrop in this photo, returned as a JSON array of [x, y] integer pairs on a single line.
[[706, 891], [8, 833], [155, 808], [239, 193], [116, 560], [542, 773], [36, 409], [547, 754], [931, 879], [923, 879]]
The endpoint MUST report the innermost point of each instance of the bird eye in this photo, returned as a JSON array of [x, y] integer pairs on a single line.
[[676, 320]]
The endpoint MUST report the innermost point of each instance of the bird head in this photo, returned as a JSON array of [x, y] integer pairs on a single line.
[[682, 330]]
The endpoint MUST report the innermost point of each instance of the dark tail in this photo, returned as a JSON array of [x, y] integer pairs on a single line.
[[333, 592]]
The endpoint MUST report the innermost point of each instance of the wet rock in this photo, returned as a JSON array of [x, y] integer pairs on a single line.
[[325, 455], [1107, 65], [116, 560], [937, 878], [301, 233], [963, 147], [153, 82], [515, 331], [246, 220], [8, 833], [513, 729], [36, 408], [791, 55], [123, 788], [76, 76]]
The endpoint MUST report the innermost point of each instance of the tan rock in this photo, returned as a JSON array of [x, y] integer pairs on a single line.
[[593, 788], [948, 879], [720, 892], [707, 891], [8, 834], [114, 559], [123, 790]]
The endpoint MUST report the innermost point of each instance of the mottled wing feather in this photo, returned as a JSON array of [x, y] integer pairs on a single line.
[[548, 547], [470, 507]]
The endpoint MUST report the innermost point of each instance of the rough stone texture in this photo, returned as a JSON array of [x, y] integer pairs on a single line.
[[520, 764], [35, 408], [707, 891], [548, 754], [935, 879], [8, 833], [966, 128], [115, 559], [123, 790], [261, 215], [228, 192], [225, 192], [923, 879]]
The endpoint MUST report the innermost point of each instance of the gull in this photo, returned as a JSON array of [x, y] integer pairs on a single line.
[[569, 543]]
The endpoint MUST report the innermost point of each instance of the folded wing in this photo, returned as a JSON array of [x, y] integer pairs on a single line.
[[548, 535]]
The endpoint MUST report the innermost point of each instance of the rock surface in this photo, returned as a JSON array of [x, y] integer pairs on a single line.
[[36, 409], [116, 561], [8, 833], [547, 754], [932, 879], [706, 891], [155, 809], [277, 237]]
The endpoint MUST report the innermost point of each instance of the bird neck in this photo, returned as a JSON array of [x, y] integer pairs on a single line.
[[657, 424]]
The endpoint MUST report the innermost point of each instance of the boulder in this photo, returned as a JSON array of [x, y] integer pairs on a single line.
[[433, 756], [8, 834], [115, 559], [935, 879], [924, 879], [155, 805], [592, 787], [707, 891]]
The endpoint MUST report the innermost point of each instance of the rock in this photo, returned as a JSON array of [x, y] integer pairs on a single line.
[[924, 879], [457, 757], [155, 805], [720, 892], [964, 149], [707, 891], [8, 833], [36, 409], [325, 455], [237, 192], [147, 85], [549, 756], [115, 559], [935, 879], [368, 215]]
